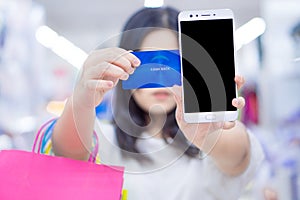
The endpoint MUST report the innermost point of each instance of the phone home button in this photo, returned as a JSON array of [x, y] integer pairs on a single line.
[[210, 117]]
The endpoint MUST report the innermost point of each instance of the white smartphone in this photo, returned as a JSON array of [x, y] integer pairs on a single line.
[[207, 54]]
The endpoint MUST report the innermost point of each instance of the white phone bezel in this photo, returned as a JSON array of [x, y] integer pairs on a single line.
[[193, 15]]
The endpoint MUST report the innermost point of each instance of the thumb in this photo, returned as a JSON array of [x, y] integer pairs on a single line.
[[176, 90], [228, 125]]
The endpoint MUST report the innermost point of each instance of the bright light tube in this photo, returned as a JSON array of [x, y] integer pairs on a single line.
[[249, 32], [61, 46]]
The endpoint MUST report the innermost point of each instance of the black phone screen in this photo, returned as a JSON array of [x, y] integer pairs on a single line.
[[208, 67]]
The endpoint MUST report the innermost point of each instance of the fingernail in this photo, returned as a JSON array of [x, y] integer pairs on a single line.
[[236, 101], [124, 77], [110, 84], [131, 71], [136, 62]]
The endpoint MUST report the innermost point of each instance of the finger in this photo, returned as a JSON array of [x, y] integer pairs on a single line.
[[240, 81], [238, 102], [105, 69], [228, 125], [99, 85], [176, 90], [123, 63], [135, 61], [118, 52], [120, 57]]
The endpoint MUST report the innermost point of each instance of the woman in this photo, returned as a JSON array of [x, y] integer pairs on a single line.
[[164, 157]]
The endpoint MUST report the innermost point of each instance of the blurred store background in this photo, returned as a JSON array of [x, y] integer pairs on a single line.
[[43, 44]]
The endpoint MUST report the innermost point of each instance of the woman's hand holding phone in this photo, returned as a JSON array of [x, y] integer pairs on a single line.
[[197, 133], [101, 72]]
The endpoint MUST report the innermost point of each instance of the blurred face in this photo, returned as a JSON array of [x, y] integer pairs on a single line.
[[157, 100]]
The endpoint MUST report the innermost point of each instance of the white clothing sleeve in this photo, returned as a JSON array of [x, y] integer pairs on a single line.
[[228, 187]]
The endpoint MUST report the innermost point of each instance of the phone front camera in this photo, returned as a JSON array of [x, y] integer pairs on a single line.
[[191, 15], [214, 14]]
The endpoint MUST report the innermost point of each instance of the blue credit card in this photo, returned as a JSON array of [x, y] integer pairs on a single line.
[[158, 69]]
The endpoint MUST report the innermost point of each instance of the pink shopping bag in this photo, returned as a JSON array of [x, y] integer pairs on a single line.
[[28, 175], [34, 176]]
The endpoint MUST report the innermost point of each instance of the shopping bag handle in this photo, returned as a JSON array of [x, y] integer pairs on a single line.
[[93, 155], [41, 134]]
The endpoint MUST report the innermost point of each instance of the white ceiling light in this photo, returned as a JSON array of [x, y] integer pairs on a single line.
[[153, 3], [61, 46], [297, 59], [249, 32]]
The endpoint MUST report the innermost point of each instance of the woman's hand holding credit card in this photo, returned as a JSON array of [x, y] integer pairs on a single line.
[[102, 71]]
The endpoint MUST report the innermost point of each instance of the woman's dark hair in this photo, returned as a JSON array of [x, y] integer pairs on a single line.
[[128, 118]]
